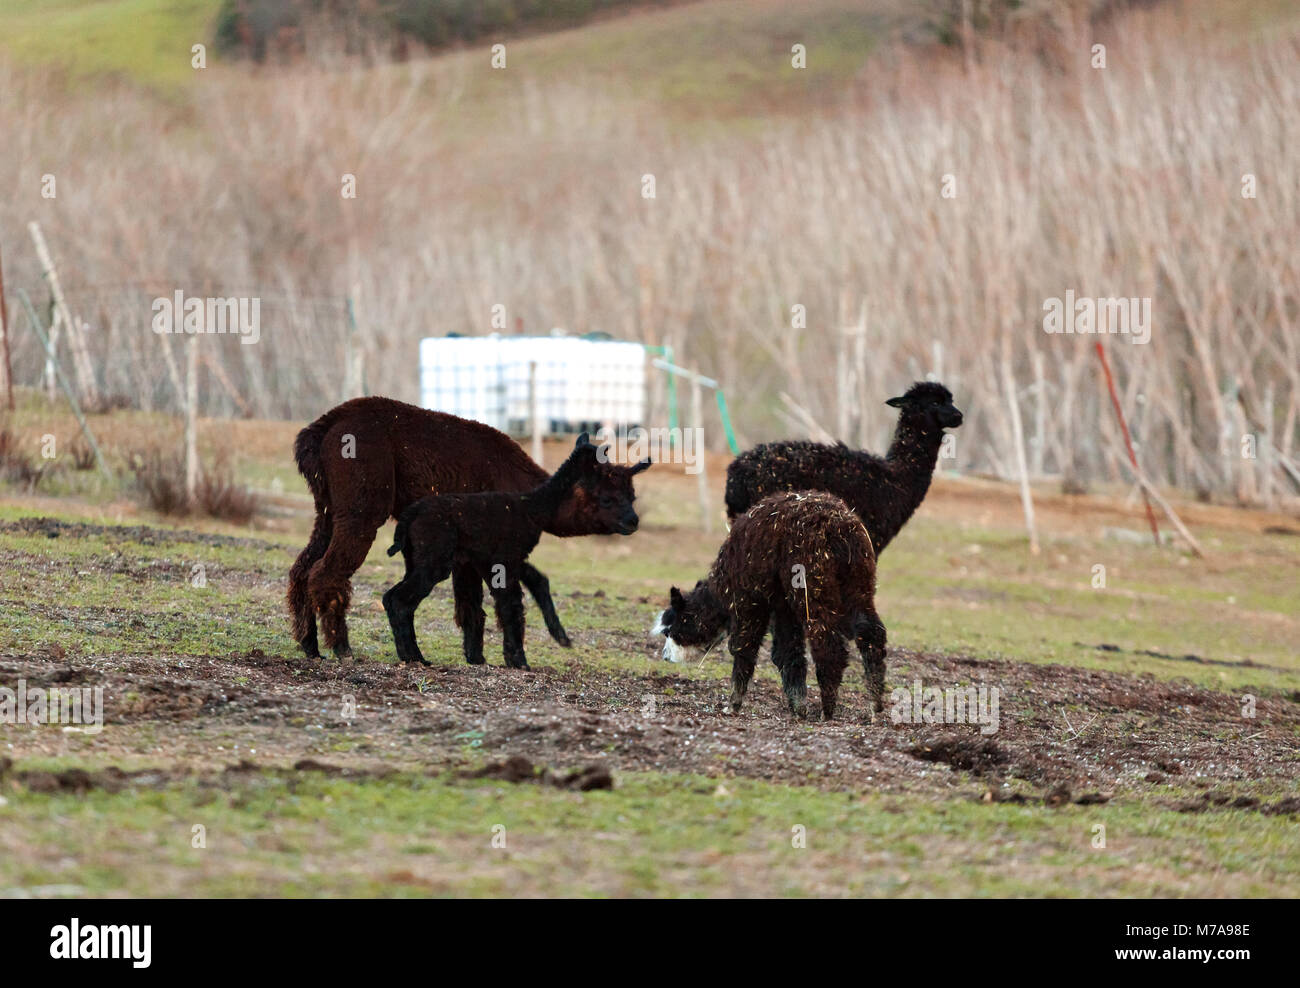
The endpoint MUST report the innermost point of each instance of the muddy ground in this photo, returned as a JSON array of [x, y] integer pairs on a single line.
[[1065, 734]]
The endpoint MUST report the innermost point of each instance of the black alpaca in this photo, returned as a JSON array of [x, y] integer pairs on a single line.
[[802, 560], [883, 491], [489, 537]]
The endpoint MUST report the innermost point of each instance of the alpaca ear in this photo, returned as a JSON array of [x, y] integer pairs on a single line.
[[643, 465], [583, 441], [676, 600], [896, 402]]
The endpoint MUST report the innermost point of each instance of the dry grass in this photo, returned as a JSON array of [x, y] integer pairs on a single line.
[[18, 467], [523, 188], [160, 486]]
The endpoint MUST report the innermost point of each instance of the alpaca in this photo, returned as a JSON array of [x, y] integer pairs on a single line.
[[490, 534], [884, 493], [368, 459], [805, 560]]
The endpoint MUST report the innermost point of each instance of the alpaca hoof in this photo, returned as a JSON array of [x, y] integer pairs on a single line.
[[343, 653], [564, 640]]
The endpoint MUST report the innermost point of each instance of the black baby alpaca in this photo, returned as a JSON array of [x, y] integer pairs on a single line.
[[803, 560], [492, 534]]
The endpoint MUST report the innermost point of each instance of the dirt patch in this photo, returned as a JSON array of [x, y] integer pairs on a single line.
[[79, 781], [1087, 730], [143, 534], [975, 755], [113, 779], [1221, 800], [1187, 657], [517, 768]]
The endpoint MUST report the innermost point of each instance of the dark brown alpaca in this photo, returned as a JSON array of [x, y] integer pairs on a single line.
[[491, 533], [368, 459], [883, 491], [804, 560]]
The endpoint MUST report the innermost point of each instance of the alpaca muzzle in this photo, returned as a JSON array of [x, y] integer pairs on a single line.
[[672, 652]]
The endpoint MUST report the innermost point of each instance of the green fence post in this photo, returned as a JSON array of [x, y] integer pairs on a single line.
[[726, 423]]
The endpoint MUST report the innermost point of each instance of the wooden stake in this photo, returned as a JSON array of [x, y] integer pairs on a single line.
[[56, 329], [1017, 431], [1150, 488], [534, 413], [76, 340], [701, 478], [48, 346], [1128, 442], [213, 364], [192, 420]]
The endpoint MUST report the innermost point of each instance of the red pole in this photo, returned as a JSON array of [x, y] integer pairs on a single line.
[[1128, 442], [4, 335]]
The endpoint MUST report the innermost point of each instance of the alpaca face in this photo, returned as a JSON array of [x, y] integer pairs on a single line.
[[603, 502], [691, 622], [930, 403]]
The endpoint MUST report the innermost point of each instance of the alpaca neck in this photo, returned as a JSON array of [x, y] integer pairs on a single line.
[[911, 459], [707, 600], [544, 502], [915, 443]]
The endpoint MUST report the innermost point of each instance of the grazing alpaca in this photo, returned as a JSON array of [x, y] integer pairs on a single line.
[[803, 559], [490, 535], [884, 493], [368, 459]]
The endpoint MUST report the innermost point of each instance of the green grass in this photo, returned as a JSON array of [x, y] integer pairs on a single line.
[[145, 40], [944, 586], [732, 56], [412, 835], [948, 587]]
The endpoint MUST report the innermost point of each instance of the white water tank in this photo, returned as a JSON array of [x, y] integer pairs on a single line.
[[581, 384]]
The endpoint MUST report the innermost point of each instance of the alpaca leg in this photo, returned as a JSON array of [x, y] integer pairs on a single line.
[[788, 655], [468, 588], [540, 588], [509, 604], [304, 615], [330, 581], [400, 603], [787, 637], [746, 637], [830, 657], [871, 644]]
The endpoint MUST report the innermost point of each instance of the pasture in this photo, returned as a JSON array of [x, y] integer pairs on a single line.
[[808, 205], [1119, 707]]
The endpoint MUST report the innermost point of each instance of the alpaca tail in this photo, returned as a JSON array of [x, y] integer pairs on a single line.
[[306, 453], [738, 498], [401, 532]]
